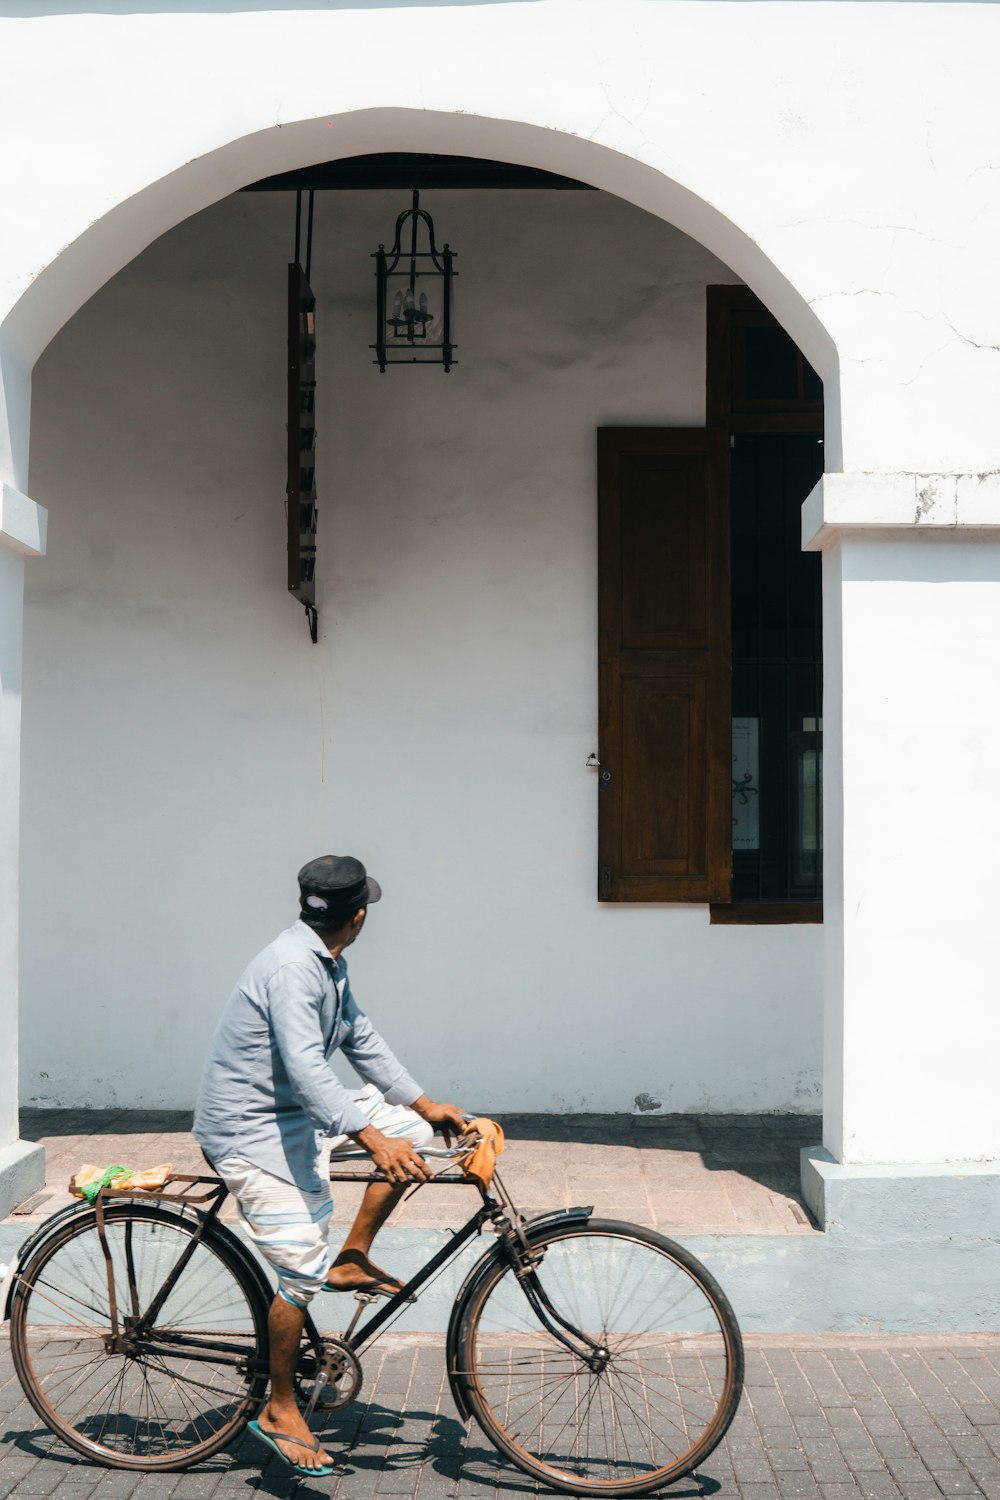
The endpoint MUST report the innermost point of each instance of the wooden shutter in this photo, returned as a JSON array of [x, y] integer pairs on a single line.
[[300, 507], [665, 800]]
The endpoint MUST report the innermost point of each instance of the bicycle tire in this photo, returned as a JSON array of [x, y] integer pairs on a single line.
[[147, 1409], [668, 1389]]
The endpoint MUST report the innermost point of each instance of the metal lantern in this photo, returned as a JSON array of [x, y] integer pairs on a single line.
[[415, 301]]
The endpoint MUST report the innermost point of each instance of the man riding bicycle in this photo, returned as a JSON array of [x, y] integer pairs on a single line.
[[270, 1112]]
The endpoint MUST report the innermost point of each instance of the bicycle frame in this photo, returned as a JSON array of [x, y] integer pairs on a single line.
[[356, 1337], [512, 1242]]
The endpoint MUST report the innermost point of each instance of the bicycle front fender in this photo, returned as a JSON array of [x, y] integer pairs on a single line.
[[532, 1228]]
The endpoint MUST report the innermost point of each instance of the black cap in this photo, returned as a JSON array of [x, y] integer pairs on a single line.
[[336, 886]]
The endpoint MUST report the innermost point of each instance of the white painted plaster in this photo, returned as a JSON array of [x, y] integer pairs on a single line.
[[440, 727], [847, 176], [864, 212], [23, 524], [12, 566], [910, 916]]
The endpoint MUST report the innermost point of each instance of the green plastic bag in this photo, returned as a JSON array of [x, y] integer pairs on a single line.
[[106, 1179]]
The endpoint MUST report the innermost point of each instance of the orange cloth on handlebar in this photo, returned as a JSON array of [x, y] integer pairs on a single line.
[[480, 1164]]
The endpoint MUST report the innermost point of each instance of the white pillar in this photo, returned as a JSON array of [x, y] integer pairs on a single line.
[[912, 773], [22, 535]]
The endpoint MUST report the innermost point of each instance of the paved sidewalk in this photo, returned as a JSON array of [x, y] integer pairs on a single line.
[[833, 1418], [681, 1174]]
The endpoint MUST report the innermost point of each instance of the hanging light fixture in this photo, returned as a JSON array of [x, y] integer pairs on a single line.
[[415, 300]]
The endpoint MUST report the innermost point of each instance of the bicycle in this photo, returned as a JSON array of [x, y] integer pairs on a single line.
[[600, 1357]]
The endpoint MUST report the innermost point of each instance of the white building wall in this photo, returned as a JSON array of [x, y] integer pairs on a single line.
[[911, 1042], [186, 748], [839, 157]]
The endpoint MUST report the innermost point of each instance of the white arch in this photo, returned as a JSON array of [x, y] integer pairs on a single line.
[[120, 234]]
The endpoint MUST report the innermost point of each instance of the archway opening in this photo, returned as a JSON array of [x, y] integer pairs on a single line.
[[452, 694]]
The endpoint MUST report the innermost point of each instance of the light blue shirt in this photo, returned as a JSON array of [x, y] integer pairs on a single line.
[[267, 1092]]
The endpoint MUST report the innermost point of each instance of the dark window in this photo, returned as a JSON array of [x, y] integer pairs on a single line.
[[767, 401], [777, 671], [768, 373]]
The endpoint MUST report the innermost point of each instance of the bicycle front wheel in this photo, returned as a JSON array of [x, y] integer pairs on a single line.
[[164, 1397], [646, 1382]]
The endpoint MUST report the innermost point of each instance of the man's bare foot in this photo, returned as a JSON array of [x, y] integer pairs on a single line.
[[352, 1271], [290, 1420]]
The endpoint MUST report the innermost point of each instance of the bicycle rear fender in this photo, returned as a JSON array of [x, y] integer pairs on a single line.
[[8, 1274], [577, 1215], [8, 1281]]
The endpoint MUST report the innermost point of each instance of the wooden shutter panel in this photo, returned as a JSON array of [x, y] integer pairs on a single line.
[[665, 800]]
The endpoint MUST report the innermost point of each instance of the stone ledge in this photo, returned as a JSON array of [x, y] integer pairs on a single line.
[[833, 1283], [931, 1202], [23, 524], [22, 1172], [912, 502]]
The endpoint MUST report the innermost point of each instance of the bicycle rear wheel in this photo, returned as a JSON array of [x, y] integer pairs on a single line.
[[172, 1395], [640, 1405]]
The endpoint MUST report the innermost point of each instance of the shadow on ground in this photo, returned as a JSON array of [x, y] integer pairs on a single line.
[[367, 1440], [763, 1147]]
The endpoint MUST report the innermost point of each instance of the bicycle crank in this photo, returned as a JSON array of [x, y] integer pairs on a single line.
[[334, 1382]]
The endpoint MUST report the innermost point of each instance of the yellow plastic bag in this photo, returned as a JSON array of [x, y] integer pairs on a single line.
[[89, 1180]]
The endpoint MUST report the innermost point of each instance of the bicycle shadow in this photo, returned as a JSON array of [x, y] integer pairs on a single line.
[[373, 1439], [39, 1442], [376, 1439]]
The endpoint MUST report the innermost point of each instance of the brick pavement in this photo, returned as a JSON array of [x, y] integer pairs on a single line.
[[823, 1418]]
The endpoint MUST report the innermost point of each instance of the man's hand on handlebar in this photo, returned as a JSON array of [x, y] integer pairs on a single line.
[[395, 1158], [447, 1118]]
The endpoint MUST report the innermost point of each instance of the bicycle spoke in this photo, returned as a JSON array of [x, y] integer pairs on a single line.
[[640, 1383], [194, 1415], [639, 1420], [99, 1392], [99, 1312], [79, 1323], [117, 1386], [565, 1383], [594, 1388]]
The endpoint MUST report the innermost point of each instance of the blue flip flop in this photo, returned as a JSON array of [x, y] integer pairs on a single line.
[[273, 1438]]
